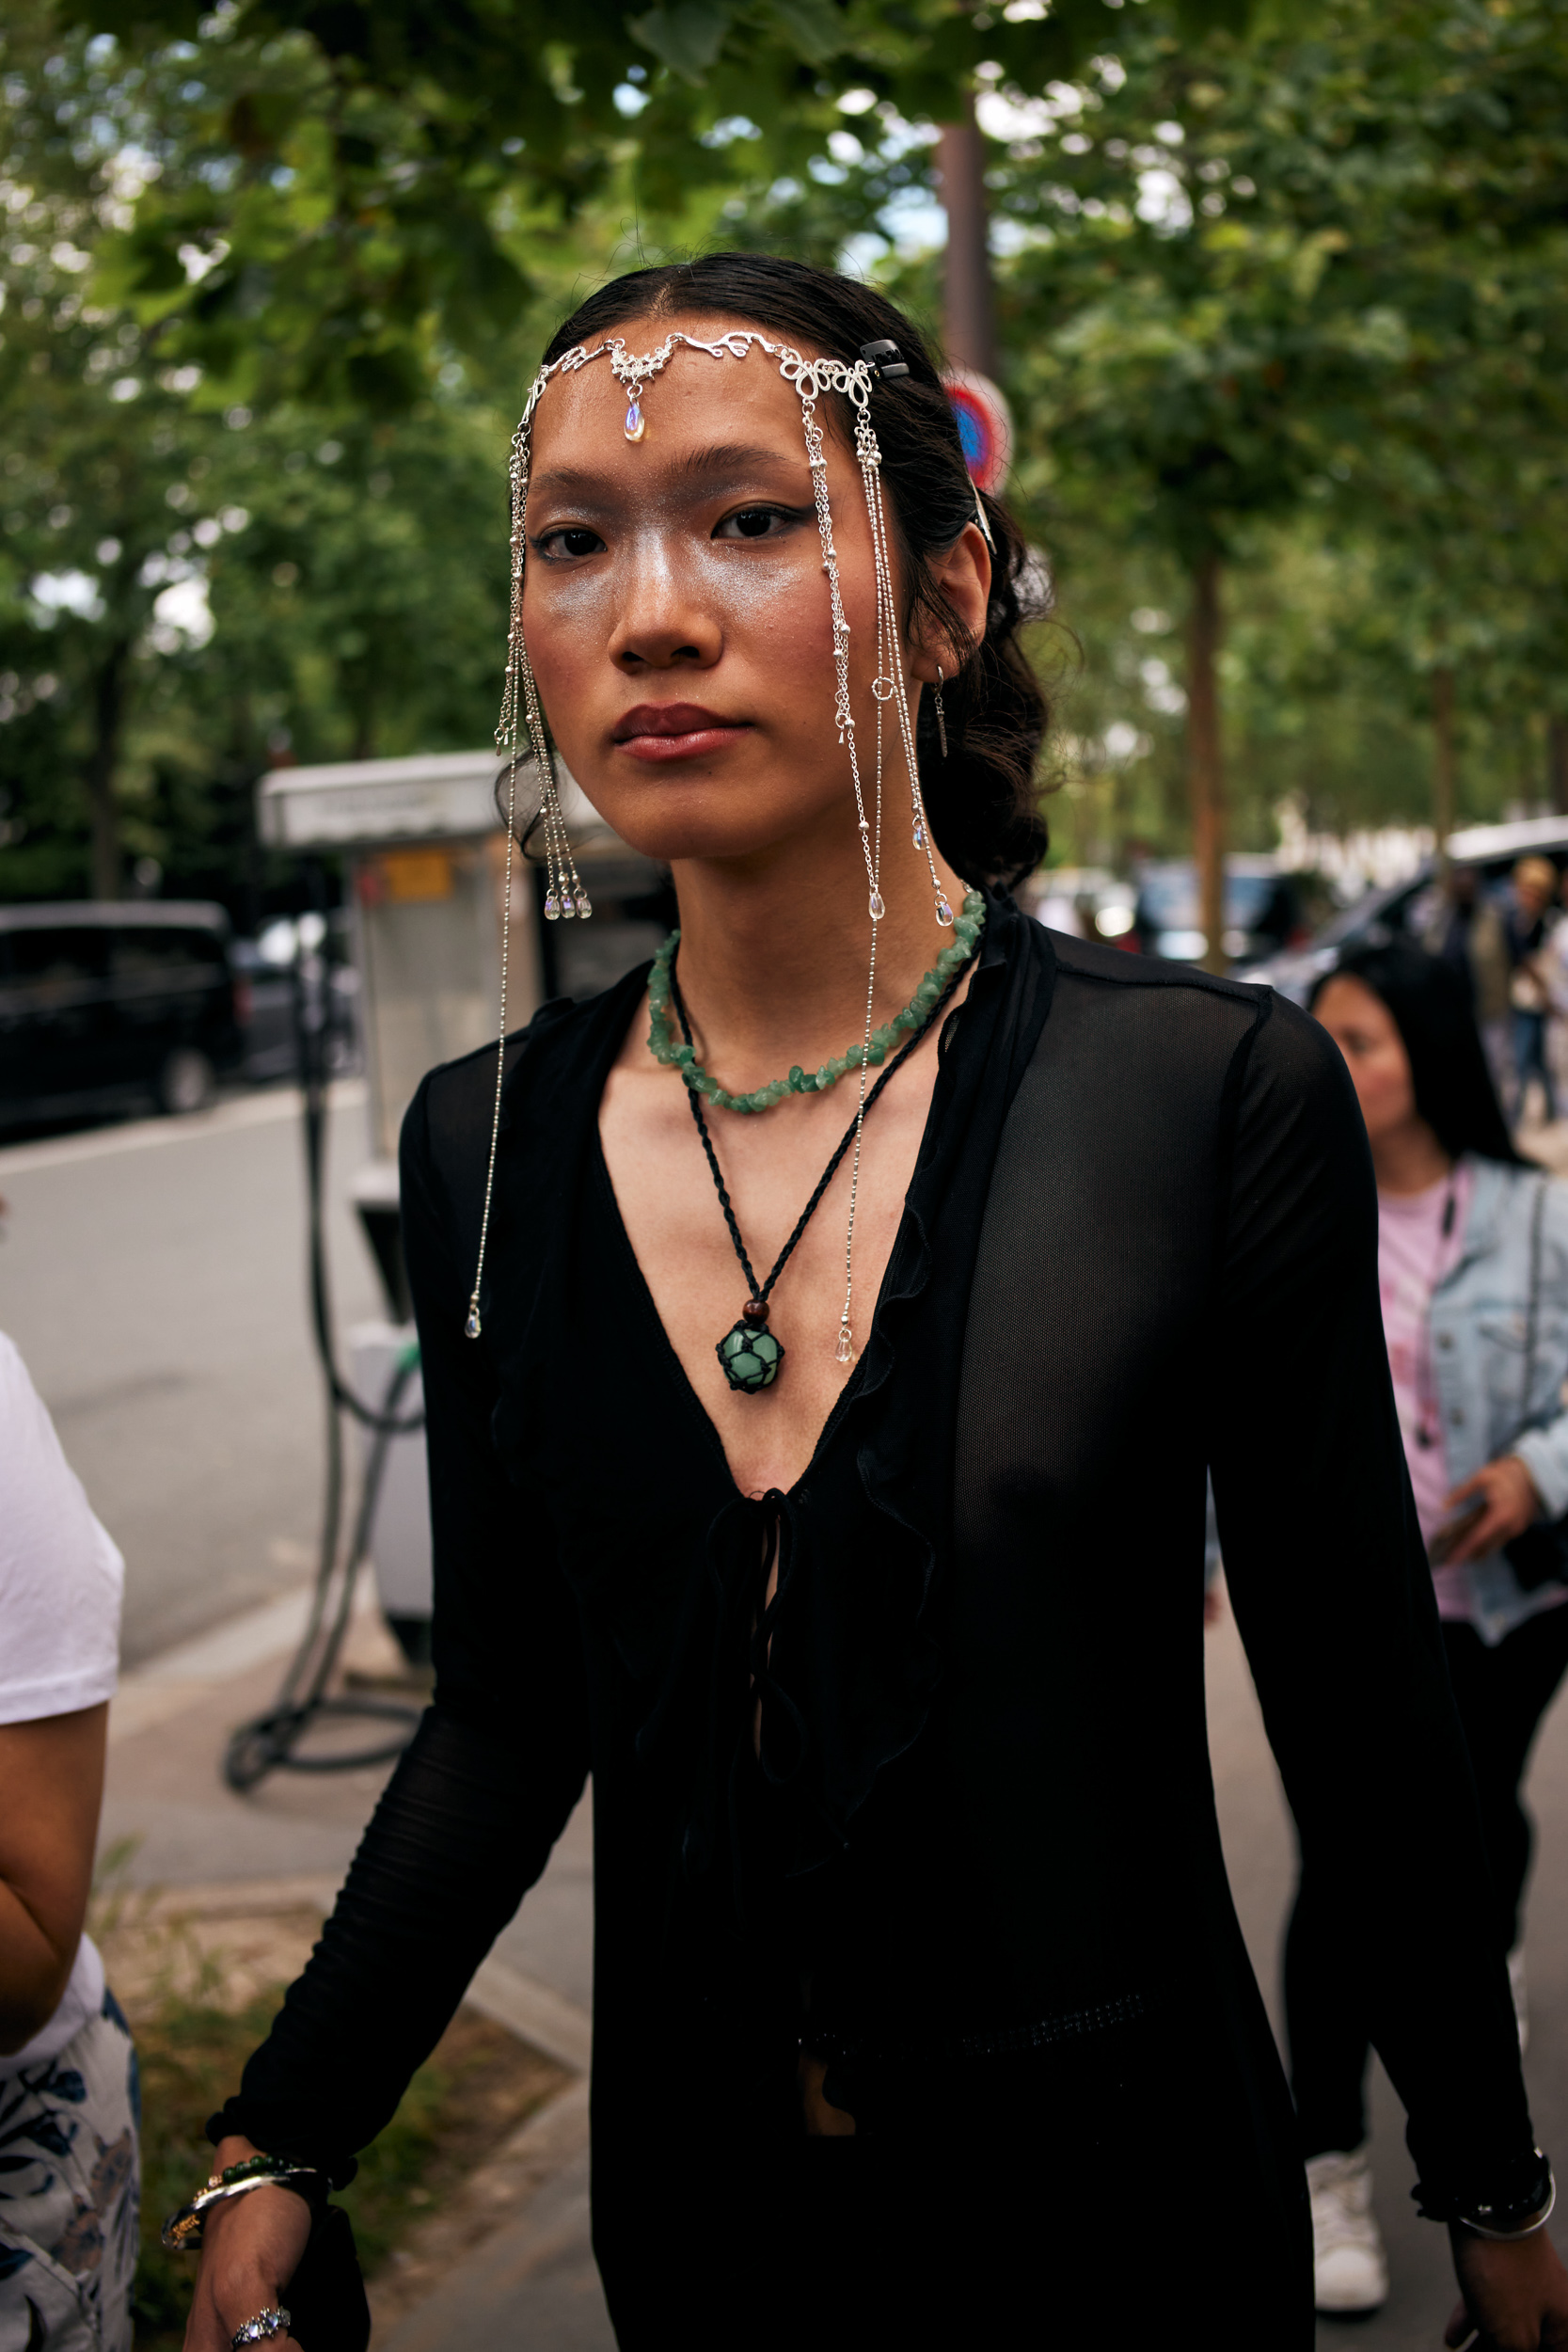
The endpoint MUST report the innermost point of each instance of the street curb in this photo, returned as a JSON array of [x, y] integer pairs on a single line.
[[181, 1676], [261, 1109]]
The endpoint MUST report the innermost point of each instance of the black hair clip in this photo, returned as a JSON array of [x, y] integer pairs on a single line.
[[886, 358]]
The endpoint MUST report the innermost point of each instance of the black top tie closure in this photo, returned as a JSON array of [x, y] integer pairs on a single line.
[[758, 1737]]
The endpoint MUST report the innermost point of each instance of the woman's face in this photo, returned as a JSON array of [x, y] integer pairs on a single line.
[[1368, 1035], [676, 610]]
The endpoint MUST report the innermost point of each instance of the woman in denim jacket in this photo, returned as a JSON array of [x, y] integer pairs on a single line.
[[1473, 1268]]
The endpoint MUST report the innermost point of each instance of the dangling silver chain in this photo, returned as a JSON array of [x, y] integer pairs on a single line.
[[521, 715]]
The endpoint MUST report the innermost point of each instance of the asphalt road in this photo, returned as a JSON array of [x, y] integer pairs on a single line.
[[154, 1276]]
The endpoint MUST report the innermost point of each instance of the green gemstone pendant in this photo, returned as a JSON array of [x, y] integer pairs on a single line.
[[751, 1357]]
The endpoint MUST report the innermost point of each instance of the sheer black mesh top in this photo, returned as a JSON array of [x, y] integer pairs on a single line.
[[976, 1867]]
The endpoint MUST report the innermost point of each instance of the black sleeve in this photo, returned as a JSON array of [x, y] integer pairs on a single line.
[[1334, 1601], [466, 1823]]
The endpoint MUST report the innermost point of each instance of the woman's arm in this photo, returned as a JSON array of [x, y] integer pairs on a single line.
[[1530, 1481], [466, 1822], [1334, 1601], [52, 1772]]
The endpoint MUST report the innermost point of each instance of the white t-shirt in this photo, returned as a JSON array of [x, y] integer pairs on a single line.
[[60, 1584]]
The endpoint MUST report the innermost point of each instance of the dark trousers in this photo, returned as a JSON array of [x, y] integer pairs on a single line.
[[1502, 1695], [1529, 1060]]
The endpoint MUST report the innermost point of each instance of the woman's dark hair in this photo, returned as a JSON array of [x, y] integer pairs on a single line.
[[1431, 1006], [983, 799]]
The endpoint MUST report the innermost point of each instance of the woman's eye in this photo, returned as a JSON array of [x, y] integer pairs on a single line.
[[569, 542], [755, 522]]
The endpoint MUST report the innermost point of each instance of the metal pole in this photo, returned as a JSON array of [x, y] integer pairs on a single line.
[[970, 320]]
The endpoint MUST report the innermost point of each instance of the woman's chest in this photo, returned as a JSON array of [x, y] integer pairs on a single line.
[[770, 1190]]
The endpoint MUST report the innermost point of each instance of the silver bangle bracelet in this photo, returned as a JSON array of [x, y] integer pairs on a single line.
[[273, 2321], [1510, 2237], [181, 2232]]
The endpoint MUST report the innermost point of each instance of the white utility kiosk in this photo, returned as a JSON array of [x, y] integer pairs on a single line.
[[423, 841]]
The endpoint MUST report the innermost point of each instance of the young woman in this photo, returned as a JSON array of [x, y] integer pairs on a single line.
[[918, 1984], [1473, 1269]]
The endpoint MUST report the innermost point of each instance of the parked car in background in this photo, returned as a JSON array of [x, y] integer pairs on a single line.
[[104, 1005], [1086, 901], [1263, 910], [267, 968], [1404, 909]]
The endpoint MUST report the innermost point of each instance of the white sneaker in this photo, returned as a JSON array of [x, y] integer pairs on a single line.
[[1516, 1986], [1349, 2263]]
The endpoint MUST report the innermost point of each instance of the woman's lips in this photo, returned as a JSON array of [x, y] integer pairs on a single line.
[[664, 731]]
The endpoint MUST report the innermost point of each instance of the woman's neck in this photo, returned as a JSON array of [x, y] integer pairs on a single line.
[[775, 949], [1409, 1159]]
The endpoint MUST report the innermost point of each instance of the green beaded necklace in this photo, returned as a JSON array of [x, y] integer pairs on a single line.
[[667, 1046]]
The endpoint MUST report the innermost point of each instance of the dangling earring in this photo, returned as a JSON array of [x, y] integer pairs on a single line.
[[942, 715]]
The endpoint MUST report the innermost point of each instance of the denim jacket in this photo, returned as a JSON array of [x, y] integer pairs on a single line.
[[1480, 1317]]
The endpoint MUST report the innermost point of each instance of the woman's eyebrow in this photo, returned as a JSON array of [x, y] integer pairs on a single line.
[[726, 465]]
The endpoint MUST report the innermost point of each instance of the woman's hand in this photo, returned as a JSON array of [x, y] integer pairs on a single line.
[[1516, 2295], [1511, 1504], [251, 2248]]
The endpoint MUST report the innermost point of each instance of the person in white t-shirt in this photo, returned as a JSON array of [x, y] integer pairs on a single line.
[[70, 2181]]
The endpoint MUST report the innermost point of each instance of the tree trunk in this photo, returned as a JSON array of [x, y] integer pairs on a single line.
[[108, 720], [1205, 767], [1557, 765], [1443, 757], [969, 311]]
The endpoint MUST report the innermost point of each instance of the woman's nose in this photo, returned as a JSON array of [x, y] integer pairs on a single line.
[[663, 626]]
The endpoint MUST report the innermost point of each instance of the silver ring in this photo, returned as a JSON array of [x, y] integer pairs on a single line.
[[273, 2321]]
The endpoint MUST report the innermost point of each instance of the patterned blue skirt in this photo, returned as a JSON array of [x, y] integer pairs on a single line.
[[70, 2182]]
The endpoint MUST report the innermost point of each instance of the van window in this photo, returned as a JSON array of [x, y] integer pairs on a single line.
[[162, 952], [64, 959]]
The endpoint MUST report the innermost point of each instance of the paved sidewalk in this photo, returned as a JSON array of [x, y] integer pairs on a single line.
[[1259, 1852], [530, 2282], [259, 1866]]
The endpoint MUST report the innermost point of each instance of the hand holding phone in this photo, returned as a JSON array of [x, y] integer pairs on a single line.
[[1448, 1538]]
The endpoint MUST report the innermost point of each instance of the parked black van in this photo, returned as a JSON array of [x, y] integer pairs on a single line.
[[103, 1005]]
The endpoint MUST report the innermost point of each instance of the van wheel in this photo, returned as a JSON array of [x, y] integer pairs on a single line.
[[186, 1081]]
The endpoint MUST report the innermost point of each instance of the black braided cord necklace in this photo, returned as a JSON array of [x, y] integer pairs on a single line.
[[750, 1355]]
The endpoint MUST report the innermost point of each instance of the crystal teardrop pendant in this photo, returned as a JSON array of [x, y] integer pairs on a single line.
[[945, 913], [637, 424], [584, 905], [567, 909], [878, 908], [471, 1327], [919, 834], [844, 1352], [552, 907]]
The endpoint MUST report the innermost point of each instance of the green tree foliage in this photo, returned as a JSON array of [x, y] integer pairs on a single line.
[[1281, 295], [1288, 311], [340, 205], [186, 593]]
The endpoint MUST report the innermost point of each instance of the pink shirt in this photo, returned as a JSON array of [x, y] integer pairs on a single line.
[[1413, 1254]]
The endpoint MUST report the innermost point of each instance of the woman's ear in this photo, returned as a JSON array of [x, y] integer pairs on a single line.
[[961, 579]]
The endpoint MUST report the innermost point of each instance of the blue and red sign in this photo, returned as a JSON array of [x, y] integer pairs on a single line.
[[985, 427]]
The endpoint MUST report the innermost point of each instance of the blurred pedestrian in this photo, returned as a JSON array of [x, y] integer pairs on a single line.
[[865, 1577], [1467, 930], [1529, 926], [68, 2118], [1473, 1271]]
